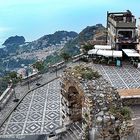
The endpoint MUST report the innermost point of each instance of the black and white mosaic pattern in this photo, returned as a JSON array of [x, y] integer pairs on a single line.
[[38, 113], [124, 77]]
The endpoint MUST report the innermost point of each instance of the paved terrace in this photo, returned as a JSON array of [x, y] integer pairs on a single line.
[[125, 77], [39, 112]]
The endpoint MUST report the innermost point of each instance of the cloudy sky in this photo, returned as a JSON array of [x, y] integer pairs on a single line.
[[35, 18]]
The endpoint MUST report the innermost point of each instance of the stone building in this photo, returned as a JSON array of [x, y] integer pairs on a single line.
[[121, 27], [88, 98]]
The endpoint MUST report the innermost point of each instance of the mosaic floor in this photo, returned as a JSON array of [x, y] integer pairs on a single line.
[[121, 78], [38, 113]]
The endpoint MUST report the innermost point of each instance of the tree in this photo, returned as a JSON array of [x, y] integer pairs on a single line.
[[86, 48], [13, 76], [39, 65], [65, 56]]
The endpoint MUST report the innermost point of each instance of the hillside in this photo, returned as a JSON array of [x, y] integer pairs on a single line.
[[57, 39], [48, 47], [14, 40], [16, 44], [91, 34]]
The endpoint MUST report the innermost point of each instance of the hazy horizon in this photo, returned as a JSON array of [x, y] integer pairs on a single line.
[[35, 18]]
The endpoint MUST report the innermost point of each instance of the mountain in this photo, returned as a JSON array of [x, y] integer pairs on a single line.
[[49, 47], [14, 40], [91, 34], [57, 39], [11, 45], [16, 44]]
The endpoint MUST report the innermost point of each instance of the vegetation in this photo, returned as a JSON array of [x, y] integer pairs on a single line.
[[39, 65], [16, 63], [85, 72], [3, 84], [14, 40], [65, 56], [122, 113], [86, 48], [4, 81], [73, 46], [58, 36], [52, 59]]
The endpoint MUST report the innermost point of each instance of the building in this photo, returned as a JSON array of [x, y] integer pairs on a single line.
[[138, 46], [139, 29], [121, 27], [21, 72]]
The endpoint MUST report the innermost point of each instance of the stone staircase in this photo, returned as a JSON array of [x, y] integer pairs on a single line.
[[72, 133]]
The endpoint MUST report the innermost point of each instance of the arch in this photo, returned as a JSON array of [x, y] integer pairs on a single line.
[[75, 104], [94, 101]]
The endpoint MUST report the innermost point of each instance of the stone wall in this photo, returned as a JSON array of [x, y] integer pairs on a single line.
[[95, 102]]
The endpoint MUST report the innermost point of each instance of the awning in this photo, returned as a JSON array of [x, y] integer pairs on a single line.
[[117, 53], [106, 53], [93, 51], [103, 47], [131, 53], [129, 50]]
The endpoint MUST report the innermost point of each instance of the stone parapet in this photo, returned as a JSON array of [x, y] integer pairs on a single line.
[[88, 97]]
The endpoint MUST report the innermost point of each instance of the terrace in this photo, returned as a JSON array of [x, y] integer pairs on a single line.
[[39, 113]]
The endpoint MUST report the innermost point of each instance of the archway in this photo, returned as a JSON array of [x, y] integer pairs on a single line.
[[75, 104], [89, 97]]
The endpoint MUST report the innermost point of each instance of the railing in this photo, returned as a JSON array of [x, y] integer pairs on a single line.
[[123, 23], [77, 57], [30, 78], [5, 96], [137, 133], [57, 66], [126, 40]]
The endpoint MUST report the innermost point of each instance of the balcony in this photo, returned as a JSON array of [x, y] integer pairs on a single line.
[[123, 24], [127, 40]]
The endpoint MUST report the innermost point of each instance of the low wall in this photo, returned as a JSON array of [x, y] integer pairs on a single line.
[[5, 97], [131, 101]]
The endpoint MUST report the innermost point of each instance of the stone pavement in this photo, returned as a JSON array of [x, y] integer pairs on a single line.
[[121, 78], [21, 90], [38, 113]]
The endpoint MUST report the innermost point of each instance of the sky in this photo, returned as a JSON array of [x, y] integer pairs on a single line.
[[35, 18]]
